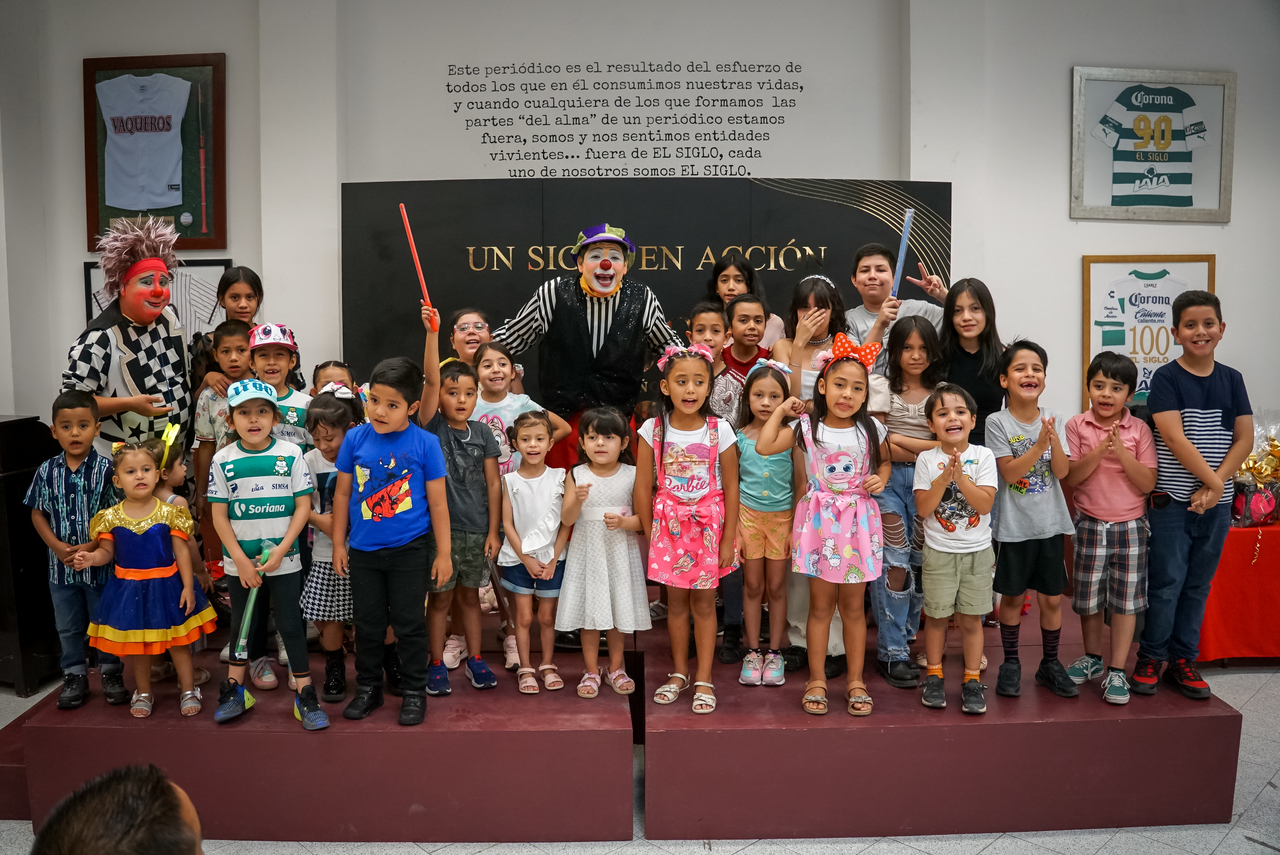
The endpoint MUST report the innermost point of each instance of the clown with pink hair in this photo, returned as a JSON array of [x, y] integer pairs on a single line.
[[133, 358]]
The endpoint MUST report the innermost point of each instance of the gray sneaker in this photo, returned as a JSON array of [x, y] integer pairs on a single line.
[[972, 699], [1115, 688], [1085, 669]]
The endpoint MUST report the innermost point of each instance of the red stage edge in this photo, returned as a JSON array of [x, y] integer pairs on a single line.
[[1033, 763], [388, 783]]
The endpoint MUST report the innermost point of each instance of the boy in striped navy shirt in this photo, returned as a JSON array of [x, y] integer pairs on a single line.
[[1204, 431]]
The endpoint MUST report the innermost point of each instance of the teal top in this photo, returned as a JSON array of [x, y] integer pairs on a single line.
[[764, 482]]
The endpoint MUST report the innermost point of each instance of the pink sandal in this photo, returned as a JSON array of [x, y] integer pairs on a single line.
[[528, 681], [550, 678], [589, 685], [620, 682]]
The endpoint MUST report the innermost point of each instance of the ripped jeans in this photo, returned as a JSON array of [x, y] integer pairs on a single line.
[[897, 613]]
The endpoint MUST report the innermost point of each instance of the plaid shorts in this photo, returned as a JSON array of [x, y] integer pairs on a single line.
[[1111, 556]]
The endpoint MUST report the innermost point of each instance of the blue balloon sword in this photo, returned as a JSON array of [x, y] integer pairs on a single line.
[[902, 249]]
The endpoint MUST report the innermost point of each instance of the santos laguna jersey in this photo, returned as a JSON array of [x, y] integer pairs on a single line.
[[143, 116], [1152, 132]]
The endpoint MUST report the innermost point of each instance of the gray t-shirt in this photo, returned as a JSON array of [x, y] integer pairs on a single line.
[[465, 452], [1033, 507], [860, 322]]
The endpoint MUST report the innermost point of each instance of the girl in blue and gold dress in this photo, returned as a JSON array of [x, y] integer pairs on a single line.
[[150, 604]]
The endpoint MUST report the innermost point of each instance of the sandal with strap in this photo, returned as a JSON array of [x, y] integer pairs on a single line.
[[550, 678], [704, 699], [863, 698], [620, 682], [589, 685], [668, 692], [527, 679], [808, 699], [141, 705], [189, 702]]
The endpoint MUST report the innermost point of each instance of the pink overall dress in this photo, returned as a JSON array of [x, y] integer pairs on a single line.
[[684, 547], [837, 532]]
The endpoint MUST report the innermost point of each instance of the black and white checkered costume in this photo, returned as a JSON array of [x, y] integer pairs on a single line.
[[116, 358]]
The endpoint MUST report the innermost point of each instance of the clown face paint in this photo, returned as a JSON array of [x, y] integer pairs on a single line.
[[145, 296], [602, 267]]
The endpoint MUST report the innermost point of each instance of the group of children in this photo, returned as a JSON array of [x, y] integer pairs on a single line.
[[818, 460]]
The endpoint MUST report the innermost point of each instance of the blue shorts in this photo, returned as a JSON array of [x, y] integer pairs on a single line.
[[516, 579]]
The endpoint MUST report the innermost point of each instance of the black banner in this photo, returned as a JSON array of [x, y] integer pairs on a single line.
[[490, 243]]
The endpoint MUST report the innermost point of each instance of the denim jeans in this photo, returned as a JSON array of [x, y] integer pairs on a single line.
[[1184, 552], [73, 608], [897, 613], [389, 586]]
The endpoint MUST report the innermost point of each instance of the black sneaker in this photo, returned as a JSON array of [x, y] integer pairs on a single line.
[[934, 693], [1009, 680], [1053, 675], [113, 688], [1146, 677], [835, 666], [972, 700], [898, 674], [1184, 675], [367, 699], [75, 691], [793, 658], [391, 666], [334, 689], [413, 709], [731, 649]]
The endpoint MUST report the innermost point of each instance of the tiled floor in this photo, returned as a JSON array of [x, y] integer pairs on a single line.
[[1254, 829]]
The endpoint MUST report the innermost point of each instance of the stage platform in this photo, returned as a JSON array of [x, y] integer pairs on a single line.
[[383, 782], [1033, 763]]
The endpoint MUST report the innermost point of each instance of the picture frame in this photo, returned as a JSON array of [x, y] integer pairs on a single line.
[[1127, 308], [1152, 145], [194, 293], [162, 150]]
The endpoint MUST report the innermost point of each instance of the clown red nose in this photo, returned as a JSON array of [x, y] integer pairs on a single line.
[[606, 264]]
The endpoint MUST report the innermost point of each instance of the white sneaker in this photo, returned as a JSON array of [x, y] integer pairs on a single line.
[[313, 634], [225, 655], [282, 655], [455, 650], [293, 683], [510, 653]]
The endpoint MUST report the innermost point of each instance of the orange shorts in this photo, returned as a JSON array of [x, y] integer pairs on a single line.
[[764, 534]]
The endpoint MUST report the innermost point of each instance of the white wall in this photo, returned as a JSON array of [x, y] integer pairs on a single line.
[[976, 92], [991, 94], [41, 49]]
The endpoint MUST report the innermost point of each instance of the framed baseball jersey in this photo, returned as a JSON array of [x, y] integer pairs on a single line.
[[1152, 145], [155, 145]]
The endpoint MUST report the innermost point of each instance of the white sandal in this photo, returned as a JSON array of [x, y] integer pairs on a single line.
[[704, 699], [668, 692]]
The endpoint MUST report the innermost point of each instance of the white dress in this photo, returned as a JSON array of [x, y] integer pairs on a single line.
[[603, 585]]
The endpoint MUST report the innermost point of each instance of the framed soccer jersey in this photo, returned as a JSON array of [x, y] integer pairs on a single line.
[[1152, 145], [154, 133], [1128, 308]]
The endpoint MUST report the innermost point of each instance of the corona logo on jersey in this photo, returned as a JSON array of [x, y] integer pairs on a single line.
[[1145, 99]]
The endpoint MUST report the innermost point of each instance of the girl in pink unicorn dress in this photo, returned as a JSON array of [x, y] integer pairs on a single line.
[[691, 520], [837, 537]]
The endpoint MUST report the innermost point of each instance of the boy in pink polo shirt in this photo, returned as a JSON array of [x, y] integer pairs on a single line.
[[1113, 468]]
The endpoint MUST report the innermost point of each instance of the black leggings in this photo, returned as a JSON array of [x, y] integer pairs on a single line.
[[286, 593]]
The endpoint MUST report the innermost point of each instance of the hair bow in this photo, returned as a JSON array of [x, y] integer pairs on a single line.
[[674, 351], [768, 363], [169, 435], [844, 348], [339, 390]]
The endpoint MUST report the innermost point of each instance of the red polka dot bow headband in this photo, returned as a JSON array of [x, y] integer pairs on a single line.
[[844, 348]]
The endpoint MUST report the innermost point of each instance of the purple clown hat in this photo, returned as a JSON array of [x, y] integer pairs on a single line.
[[600, 234]]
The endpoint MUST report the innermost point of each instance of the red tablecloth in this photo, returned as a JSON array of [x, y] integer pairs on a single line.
[[1241, 617]]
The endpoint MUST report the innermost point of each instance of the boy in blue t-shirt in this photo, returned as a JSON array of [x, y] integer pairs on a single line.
[[390, 487], [1204, 431]]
